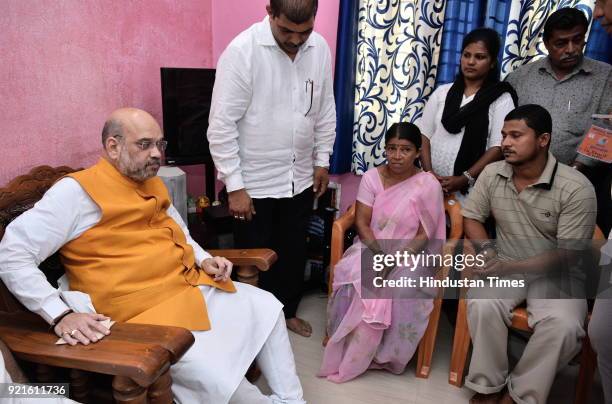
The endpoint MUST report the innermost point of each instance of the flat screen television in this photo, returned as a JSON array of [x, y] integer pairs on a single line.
[[186, 97]]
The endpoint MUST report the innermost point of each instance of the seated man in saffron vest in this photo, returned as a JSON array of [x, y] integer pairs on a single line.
[[124, 246]]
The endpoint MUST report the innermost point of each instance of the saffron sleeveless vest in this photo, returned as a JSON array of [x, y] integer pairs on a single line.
[[135, 264]]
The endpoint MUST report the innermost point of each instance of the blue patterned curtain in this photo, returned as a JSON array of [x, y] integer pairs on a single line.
[[344, 86], [461, 17], [397, 55], [599, 46], [406, 47], [498, 12]]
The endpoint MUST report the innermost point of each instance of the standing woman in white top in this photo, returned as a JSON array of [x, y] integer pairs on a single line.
[[462, 121]]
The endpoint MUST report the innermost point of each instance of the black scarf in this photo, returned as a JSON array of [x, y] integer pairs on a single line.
[[474, 116]]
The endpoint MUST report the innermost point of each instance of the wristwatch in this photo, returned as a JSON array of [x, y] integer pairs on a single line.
[[471, 180], [61, 316]]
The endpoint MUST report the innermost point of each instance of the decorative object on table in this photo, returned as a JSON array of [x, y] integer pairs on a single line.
[[176, 182], [202, 203]]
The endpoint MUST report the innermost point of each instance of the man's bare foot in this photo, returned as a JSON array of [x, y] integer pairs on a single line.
[[299, 326], [506, 399], [480, 398]]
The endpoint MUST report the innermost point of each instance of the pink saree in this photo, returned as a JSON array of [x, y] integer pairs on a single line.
[[381, 333]]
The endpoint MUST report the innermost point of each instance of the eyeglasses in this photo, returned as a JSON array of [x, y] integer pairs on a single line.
[[147, 145]]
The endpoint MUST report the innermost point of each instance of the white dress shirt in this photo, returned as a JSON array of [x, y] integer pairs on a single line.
[[271, 119], [64, 213]]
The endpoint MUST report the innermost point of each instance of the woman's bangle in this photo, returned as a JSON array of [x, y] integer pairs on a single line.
[[471, 180]]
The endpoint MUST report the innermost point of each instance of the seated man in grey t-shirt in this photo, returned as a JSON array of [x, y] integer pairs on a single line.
[[531, 196], [572, 88]]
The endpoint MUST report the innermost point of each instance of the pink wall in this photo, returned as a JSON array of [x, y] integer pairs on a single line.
[[67, 64], [230, 17]]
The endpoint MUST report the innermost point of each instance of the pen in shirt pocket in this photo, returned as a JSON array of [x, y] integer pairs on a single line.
[[309, 83]]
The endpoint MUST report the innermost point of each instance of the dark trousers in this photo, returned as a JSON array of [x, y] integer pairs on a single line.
[[601, 177], [280, 224]]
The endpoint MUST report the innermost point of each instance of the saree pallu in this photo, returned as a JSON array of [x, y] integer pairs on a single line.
[[382, 333]]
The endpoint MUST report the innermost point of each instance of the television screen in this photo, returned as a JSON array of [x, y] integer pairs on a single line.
[[186, 96]]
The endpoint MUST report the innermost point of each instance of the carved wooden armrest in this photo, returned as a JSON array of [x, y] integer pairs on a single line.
[[248, 262], [139, 352], [262, 258]]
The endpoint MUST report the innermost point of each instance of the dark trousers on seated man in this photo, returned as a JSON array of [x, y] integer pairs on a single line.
[[280, 224]]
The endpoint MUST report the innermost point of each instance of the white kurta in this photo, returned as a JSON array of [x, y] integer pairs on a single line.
[[212, 369]]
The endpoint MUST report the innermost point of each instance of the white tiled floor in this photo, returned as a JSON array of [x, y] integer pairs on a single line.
[[383, 387]]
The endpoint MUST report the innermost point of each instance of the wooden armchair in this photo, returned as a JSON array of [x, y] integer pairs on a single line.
[[462, 342], [132, 364], [426, 346]]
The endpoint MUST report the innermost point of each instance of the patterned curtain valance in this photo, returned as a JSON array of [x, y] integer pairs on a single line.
[[398, 45]]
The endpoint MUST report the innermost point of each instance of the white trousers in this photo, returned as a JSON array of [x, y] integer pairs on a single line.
[[245, 326], [278, 366]]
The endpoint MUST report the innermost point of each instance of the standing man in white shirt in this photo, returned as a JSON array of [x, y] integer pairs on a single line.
[[271, 132]]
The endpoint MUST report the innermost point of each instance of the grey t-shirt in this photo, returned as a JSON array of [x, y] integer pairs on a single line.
[[559, 209]]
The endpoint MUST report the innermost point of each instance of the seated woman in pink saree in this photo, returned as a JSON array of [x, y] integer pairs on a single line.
[[396, 201]]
